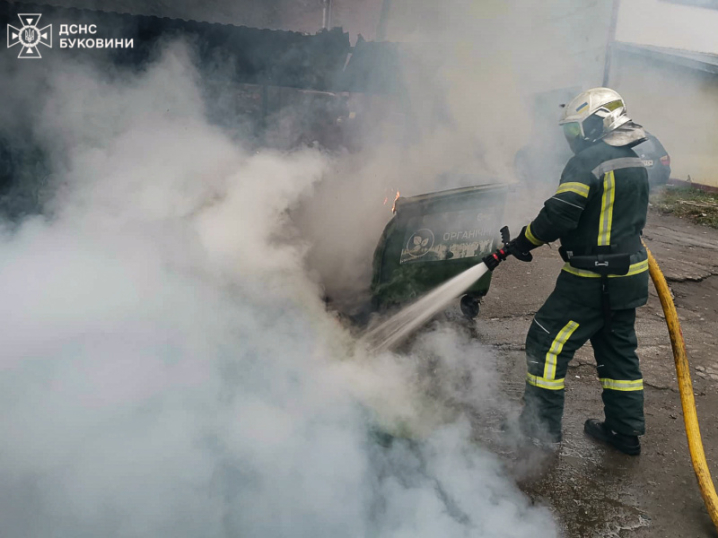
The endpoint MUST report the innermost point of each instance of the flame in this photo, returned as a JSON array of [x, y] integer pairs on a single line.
[[393, 207]]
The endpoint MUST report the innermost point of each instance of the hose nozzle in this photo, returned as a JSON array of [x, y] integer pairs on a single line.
[[493, 260]]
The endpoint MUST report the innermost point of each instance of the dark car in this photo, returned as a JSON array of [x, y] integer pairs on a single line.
[[656, 160], [544, 160]]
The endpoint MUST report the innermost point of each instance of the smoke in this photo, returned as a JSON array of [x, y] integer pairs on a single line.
[[169, 367], [480, 104]]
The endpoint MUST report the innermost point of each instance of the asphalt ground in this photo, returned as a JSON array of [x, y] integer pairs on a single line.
[[594, 491]]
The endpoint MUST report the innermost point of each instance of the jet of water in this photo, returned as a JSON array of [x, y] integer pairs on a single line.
[[403, 323]]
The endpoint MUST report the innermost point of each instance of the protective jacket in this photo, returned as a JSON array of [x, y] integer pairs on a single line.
[[600, 207], [598, 212]]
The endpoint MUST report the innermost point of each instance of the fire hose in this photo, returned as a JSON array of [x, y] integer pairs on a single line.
[[398, 328], [685, 386]]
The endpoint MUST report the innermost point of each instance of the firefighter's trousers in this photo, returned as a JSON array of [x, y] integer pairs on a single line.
[[561, 326]]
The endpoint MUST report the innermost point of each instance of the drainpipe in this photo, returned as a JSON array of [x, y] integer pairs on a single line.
[[327, 14], [609, 43], [383, 16]]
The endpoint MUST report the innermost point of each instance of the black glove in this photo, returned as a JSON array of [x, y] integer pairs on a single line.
[[493, 260], [520, 247]]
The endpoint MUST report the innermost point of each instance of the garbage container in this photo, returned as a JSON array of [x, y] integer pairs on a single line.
[[434, 237]]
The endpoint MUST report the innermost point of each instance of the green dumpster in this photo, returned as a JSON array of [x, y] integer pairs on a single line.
[[434, 237]]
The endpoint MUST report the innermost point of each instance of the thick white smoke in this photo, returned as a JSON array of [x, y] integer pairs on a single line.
[[169, 369], [483, 82]]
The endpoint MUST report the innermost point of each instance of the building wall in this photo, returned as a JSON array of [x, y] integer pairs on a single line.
[[667, 24], [503, 68], [677, 104], [552, 44], [356, 16], [549, 45], [256, 13]]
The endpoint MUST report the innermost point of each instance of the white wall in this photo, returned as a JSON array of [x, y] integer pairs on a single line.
[[664, 24], [677, 104], [550, 45], [652, 87]]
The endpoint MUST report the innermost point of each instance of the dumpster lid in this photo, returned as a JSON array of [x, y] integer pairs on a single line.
[[403, 202]]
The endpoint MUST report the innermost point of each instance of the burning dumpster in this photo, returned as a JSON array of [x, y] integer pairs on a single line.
[[434, 237]]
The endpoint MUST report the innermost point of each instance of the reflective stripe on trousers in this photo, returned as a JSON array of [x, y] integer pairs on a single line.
[[549, 371], [622, 384]]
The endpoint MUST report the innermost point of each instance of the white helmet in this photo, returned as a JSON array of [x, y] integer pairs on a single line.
[[592, 115]]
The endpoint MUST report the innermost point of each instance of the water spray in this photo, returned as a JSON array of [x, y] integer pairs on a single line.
[[393, 331]]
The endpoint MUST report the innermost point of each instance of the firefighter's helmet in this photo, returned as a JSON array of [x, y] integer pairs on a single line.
[[592, 115]]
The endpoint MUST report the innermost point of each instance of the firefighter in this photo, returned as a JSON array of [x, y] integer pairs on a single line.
[[598, 213]]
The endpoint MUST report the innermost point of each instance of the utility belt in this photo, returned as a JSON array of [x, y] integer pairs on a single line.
[[604, 260]]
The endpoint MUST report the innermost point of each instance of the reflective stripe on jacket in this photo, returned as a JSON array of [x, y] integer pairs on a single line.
[[601, 200]]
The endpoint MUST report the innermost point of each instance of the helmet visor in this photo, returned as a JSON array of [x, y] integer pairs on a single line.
[[572, 130]]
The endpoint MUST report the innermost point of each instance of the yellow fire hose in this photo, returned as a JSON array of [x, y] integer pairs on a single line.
[[695, 444]]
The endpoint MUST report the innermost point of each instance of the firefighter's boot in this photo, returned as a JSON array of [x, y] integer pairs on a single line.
[[628, 444]]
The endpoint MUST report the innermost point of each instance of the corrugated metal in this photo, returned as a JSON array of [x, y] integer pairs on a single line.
[[257, 56]]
